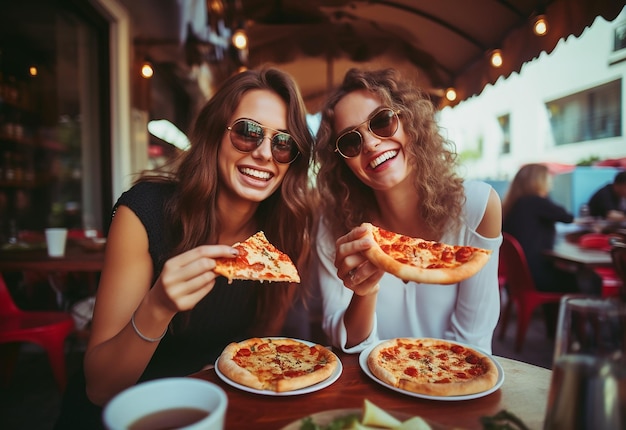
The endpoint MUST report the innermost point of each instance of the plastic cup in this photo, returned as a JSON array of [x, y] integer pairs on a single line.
[[55, 240]]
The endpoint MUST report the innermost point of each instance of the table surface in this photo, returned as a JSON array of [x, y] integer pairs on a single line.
[[76, 259], [576, 254], [523, 393]]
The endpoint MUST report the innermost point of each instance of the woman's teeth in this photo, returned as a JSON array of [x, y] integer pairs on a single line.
[[256, 173], [382, 158]]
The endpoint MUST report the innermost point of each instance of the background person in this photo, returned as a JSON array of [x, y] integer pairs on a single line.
[[610, 200], [382, 160], [160, 309], [530, 216]]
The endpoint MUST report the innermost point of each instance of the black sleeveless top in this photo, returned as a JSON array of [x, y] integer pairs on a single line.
[[222, 316], [225, 315]]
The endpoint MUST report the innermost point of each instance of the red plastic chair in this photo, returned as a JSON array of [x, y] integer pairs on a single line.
[[49, 329], [618, 255], [521, 288]]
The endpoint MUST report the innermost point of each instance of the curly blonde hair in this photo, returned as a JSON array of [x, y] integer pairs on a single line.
[[345, 201]]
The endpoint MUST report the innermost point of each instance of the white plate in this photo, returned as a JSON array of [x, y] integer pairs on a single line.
[[363, 363], [316, 387]]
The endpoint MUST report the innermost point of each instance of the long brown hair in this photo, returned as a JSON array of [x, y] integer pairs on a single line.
[[530, 180], [285, 216], [346, 201]]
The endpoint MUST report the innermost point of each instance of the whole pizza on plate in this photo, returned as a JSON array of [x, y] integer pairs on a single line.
[[434, 367], [276, 364]]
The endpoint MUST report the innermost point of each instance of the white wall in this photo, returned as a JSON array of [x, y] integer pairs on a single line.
[[576, 64]]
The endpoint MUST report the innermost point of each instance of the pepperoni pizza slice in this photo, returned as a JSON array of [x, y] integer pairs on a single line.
[[258, 260], [419, 260]]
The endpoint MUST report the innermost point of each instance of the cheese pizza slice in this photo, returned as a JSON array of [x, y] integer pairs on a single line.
[[258, 260]]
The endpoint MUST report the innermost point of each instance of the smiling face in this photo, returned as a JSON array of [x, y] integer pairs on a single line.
[[382, 163], [253, 176]]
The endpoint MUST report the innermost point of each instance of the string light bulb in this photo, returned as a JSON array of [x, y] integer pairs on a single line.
[[496, 58], [451, 94], [240, 39], [33, 71], [146, 70], [540, 26]]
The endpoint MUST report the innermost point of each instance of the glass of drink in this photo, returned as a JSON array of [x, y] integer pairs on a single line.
[[588, 386]]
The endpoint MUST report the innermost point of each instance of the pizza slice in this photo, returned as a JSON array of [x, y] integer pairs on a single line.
[[419, 260], [258, 260]]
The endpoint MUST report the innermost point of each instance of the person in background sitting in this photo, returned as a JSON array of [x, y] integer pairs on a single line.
[[160, 308], [530, 216], [382, 159], [610, 201]]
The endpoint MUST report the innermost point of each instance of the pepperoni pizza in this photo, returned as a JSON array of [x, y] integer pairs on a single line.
[[276, 364], [432, 366], [419, 260]]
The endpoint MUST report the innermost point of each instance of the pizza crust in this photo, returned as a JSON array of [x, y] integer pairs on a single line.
[[277, 364], [409, 272], [233, 371], [389, 361]]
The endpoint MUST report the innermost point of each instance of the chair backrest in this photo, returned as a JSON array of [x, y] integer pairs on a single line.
[[7, 305], [618, 255], [514, 266]]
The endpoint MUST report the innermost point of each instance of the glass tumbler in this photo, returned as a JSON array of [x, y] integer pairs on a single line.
[[588, 385]]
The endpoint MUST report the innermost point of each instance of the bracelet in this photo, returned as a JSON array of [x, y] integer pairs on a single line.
[[141, 335]]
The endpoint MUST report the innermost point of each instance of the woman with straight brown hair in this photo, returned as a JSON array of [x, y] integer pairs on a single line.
[[160, 308]]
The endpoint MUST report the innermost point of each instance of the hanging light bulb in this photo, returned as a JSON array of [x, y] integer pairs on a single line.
[[146, 70], [451, 94], [496, 58], [240, 39], [540, 26], [33, 71]]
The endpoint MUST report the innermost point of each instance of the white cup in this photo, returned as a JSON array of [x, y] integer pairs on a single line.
[[55, 240], [172, 402]]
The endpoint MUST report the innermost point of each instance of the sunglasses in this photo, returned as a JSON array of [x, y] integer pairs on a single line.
[[383, 123], [247, 135]]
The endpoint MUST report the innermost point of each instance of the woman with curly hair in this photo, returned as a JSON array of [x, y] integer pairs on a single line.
[[382, 159], [160, 308]]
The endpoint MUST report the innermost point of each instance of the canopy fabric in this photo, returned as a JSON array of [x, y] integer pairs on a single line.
[[439, 44]]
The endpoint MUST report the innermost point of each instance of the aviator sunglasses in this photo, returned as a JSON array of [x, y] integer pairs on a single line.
[[247, 135], [382, 124]]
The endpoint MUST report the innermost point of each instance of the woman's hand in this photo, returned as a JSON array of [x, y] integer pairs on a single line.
[[356, 271], [188, 277]]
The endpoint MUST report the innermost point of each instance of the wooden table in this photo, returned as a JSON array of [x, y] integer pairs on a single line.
[[524, 393], [76, 259]]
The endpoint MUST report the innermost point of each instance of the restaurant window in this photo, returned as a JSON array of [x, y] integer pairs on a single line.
[[588, 115], [619, 41], [505, 126], [53, 114]]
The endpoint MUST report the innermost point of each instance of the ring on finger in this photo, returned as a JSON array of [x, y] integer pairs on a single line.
[[351, 274]]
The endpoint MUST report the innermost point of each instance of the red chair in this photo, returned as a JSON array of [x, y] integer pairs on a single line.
[[521, 288], [48, 329], [618, 255]]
